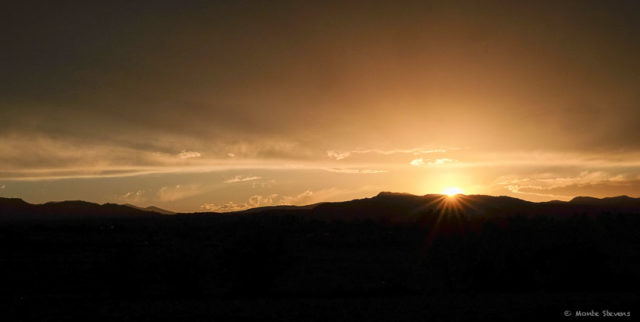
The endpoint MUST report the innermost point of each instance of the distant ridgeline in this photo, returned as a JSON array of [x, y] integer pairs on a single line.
[[386, 206], [388, 245]]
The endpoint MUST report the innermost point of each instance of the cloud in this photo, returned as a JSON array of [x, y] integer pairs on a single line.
[[544, 184], [355, 171], [551, 181], [189, 154], [264, 184], [421, 161], [442, 161], [304, 198], [417, 162], [415, 151], [338, 155], [263, 148], [518, 189], [227, 207], [133, 196], [33, 156], [253, 202], [585, 178], [261, 201], [177, 192], [241, 179]]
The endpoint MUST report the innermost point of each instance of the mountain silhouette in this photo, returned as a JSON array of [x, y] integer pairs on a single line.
[[17, 209], [620, 201], [152, 209], [392, 252], [387, 206]]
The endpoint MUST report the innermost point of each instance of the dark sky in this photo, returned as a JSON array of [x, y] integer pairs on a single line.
[[510, 97]]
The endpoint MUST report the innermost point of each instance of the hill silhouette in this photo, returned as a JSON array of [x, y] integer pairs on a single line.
[[386, 206], [152, 209], [17, 209], [378, 254]]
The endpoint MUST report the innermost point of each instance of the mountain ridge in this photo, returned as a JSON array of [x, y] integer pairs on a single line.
[[390, 245], [385, 205]]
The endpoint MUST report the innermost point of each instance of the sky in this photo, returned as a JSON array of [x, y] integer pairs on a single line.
[[227, 105]]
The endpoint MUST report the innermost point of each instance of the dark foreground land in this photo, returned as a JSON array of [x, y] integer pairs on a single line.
[[392, 257]]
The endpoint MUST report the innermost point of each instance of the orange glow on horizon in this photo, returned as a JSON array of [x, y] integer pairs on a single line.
[[452, 191]]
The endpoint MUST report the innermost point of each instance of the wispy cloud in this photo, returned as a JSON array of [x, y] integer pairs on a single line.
[[544, 184], [338, 155], [441, 161], [38, 156], [519, 190], [226, 207], [177, 192], [355, 171], [415, 151], [303, 198], [585, 178], [253, 202], [417, 162], [189, 154], [242, 179], [551, 181], [133, 196]]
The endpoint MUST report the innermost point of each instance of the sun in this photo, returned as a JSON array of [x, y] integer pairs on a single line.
[[452, 191]]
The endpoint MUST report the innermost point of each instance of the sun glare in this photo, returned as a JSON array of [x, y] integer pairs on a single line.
[[452, 191]]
